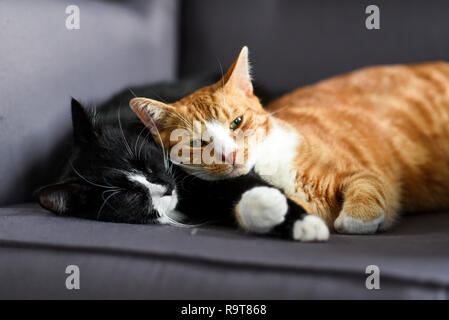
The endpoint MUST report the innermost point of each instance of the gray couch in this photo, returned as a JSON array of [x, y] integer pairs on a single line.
[[123, 43]]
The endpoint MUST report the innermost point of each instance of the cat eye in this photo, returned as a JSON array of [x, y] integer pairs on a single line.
[[236, 123], [197, 143]]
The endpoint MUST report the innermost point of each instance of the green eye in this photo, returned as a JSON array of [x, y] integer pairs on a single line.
[[236, 123], [198, 143]]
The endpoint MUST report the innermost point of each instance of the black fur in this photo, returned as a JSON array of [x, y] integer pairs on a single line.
[[113, 143], [102, 156]]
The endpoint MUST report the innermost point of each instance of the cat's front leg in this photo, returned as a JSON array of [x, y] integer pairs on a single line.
[[370, 204], [266, 210]]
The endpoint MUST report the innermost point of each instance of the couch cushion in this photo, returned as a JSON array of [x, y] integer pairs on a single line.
[[42, 64], [151, 261]]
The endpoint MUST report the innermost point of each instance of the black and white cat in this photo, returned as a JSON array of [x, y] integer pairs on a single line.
[[117, 173]]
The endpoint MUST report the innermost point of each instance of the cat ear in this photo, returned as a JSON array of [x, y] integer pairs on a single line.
[[238, 76], [151, 112], [83, 130], [62, 198]]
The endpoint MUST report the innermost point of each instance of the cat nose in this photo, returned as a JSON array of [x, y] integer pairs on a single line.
[[230, 157], [168, 193]]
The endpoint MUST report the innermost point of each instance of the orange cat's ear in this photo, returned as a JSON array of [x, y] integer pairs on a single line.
[[151, 112], [238, 76]]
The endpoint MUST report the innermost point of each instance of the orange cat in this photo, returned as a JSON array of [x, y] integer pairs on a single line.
[[355, 150]]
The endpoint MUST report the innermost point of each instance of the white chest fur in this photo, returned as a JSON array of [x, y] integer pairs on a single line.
[[276, 162], [275, 157]]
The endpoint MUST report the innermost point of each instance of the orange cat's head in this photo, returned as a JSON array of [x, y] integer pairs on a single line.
[[214, 132]]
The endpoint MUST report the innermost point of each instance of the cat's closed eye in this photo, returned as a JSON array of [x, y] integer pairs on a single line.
[[141, 165]]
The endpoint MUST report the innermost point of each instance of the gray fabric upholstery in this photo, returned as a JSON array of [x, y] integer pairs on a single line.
[[150, 261], [42, 64], [295, 43]]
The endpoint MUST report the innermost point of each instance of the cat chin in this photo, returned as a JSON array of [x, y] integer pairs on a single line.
[[164, 205], [235, 172], [232, 172]]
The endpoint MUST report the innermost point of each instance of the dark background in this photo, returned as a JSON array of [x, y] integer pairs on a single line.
[[294, 43]]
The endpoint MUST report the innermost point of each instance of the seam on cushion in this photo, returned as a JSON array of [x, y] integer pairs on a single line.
[[203, 260]]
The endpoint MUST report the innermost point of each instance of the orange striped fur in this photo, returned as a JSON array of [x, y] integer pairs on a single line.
[[370, 144]]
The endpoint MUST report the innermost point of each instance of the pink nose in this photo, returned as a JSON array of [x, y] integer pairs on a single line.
[[229, 158]]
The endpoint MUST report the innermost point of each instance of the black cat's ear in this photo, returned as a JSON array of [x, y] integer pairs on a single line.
[[61, 198], [83, 130]]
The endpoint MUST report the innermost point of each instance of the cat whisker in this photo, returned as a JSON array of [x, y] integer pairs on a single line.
[[221, 70], [196, 171], [171, 221], [170, 166], [175, 223], [137, 140], [276, 111], [176, 126], [90, 182], [181, 118], [157, 96], [132, 92], [222, 78], [143, 143], [162, 143], [123, 134], [188, 166], [113, 169], [191, 177], [105, 201]]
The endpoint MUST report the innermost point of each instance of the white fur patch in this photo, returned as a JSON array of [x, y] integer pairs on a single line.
[[223, 142], [163, 204], [261, 208], [350, 225], [274, 157], [311, 228]]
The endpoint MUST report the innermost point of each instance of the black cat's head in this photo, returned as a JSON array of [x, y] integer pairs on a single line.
[[115, 173]]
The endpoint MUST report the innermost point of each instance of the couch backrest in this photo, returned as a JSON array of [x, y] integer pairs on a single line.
[[293, 43], [42, 64]]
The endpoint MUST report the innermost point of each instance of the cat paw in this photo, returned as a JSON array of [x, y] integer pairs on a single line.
[[261, 209], [311, 228], [350, 225]]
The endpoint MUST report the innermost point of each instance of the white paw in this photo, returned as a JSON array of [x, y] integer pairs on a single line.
[[311, 228], [350, 225], [261, 208]]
